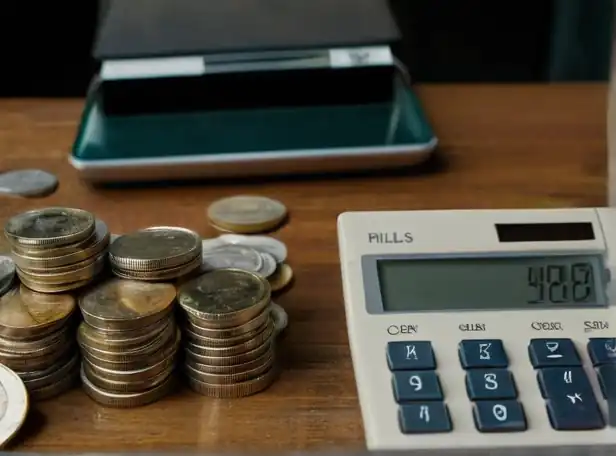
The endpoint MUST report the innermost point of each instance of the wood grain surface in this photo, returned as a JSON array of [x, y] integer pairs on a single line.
[[501, 147]]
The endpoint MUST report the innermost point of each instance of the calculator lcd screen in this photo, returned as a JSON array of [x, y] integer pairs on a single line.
[[491, 283]]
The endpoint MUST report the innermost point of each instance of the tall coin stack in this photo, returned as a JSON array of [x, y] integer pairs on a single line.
[[57, 249], [128, 341], [37, 340], [228, 333], [156, 254]]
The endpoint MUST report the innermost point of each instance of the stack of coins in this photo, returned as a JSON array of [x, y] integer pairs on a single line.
[[228, 333], [57, 249], [156, 254], [37, 340], [128, 341]]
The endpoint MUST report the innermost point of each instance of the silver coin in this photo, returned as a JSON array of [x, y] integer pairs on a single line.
[[28, 182], [281, 319], [7, 274], [211, 244], [269, 265], [232, 256], [267, 244]]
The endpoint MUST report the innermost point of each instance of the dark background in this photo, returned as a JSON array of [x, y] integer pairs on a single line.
[[45, 46]]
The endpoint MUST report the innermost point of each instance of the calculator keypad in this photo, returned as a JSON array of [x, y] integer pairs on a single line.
[[490, 386], [417, 388], [569, 397], [564, 385], [553, 352]]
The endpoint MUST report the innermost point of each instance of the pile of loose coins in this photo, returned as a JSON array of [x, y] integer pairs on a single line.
[[57, 249], [156, 254], [229, 333], [128, 335], [128, 341], [37, 340]]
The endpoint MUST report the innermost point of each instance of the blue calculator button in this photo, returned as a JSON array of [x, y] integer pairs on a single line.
[[553, 352], [410, 355], [482, 353], [416, 386], [607, 380], [490, 384], [560, 381], [602, 350], [574, 412], [499, 416], [424, 417]]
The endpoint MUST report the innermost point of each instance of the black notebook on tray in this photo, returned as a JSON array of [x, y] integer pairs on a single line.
[[200, 88]]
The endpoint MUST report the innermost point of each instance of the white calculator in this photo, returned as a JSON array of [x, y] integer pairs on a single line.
[[482, 328]]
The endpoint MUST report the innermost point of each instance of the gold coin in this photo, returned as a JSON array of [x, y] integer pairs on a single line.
[[194, 336], [35, 363], [137, 375], [126, 400], [200, 348], [126, 387], [52, 288], [227, 361], [75, 275], [39, 347], [161, 274], [247, 214], [137, 363], [155, 248], [234, 368], [32, 375], [26, 314], [65, 258], [53, 390], [281, 278], [225, 297], [41, 252], [126, 304], [239, 376], [121, 340], [52, 227], [194, 324], [237, 390], [53, 375], [128, 355]]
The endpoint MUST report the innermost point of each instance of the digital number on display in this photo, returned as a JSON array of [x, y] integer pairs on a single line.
[[558, 284]]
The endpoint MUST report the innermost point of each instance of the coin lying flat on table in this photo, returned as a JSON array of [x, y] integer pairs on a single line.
[[156, 254], [37, 340], [229, 333], [128, 340], [13, 404], [28, 183], [247, 214]]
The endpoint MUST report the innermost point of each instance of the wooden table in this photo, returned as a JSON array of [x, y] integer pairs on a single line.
[[501, 147]]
